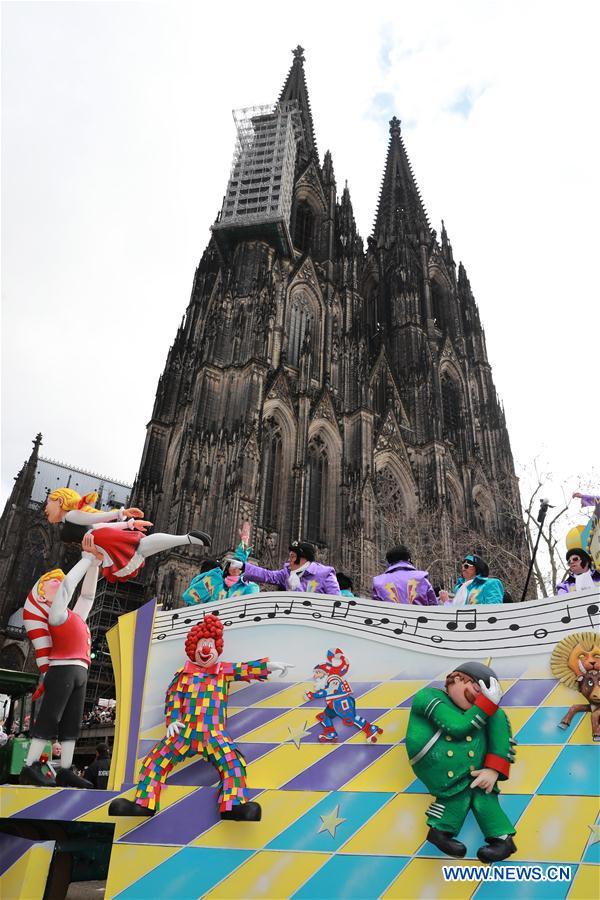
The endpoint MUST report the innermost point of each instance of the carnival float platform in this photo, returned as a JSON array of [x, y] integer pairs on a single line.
[[344, 819]]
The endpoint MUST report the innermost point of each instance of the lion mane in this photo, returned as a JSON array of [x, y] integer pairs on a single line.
[[559, 661]]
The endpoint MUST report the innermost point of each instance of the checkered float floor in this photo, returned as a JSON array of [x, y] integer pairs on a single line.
[[348, 819]]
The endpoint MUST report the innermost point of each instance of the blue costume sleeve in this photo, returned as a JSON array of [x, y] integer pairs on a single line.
[[205, 588], [242, 554], [493, 591]]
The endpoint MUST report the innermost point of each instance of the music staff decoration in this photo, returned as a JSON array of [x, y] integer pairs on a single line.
[[488, 630]]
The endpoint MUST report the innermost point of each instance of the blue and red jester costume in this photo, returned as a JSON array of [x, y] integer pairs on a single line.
[[196, 714], [331, 686]]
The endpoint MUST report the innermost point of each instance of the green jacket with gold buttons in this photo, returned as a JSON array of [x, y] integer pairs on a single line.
[[444, 743]]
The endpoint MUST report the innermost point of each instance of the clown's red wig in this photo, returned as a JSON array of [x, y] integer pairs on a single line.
[[210, 627]]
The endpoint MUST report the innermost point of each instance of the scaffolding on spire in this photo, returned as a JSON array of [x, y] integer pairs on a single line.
[[258, 200]]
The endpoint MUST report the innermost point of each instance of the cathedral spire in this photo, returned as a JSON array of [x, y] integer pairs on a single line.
[[446, 246], [400, 207], [328, 173], [18, 502], [295, 89], [349, 237]]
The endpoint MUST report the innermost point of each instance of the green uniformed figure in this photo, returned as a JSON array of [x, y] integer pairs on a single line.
[[460, 744]]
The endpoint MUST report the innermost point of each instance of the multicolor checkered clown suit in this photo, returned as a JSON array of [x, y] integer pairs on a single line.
[[196, 714], [198, 698]]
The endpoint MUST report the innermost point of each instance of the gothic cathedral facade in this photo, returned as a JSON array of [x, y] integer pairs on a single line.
[[318, 388]]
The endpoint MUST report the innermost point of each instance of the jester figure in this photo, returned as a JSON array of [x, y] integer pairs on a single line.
[[196, 712], [331, 686]]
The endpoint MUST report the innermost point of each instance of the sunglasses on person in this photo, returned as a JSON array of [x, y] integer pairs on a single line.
[[574, 559], [468, 565]]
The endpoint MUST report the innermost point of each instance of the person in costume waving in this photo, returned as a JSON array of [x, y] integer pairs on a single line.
[[119, 535], [474, 585], [196, 714], [299, 573], [215, 583], [459, 743]]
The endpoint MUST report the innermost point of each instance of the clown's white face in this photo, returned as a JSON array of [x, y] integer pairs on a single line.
[[206, 653]]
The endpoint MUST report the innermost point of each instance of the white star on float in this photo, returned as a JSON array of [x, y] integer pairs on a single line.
[[298, 733], [331, 821], [595, 835]]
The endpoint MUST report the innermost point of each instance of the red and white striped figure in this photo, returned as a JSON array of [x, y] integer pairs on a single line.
[[35, 620], [61, 639]]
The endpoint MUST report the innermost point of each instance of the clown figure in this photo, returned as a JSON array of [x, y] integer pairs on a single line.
[[196, 712]]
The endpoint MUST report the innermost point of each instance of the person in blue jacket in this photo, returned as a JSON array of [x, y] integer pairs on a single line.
[[214, 582], [474, 585]]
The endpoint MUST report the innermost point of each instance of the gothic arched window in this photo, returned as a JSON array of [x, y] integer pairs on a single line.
[[300, 323], [304, 227], [271, 464], [451, 407], [390, 510], [317, 483]]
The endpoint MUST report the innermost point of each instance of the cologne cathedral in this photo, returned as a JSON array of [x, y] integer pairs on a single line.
[[322, 389]]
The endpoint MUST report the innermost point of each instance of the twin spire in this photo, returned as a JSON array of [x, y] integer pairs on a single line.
[[400, 209], [295, 89]]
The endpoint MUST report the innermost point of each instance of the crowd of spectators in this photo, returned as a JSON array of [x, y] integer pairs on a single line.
[[99, 715]]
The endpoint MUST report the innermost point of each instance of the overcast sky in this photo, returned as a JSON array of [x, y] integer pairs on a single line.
[[117, 139]]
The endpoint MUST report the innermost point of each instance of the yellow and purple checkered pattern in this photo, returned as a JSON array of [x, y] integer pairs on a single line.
[[378, 848]]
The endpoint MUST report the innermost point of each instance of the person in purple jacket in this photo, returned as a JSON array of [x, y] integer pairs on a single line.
[[299, 573], [401, 582]]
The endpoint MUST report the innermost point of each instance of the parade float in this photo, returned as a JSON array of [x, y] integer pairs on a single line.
[[342, 817]]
